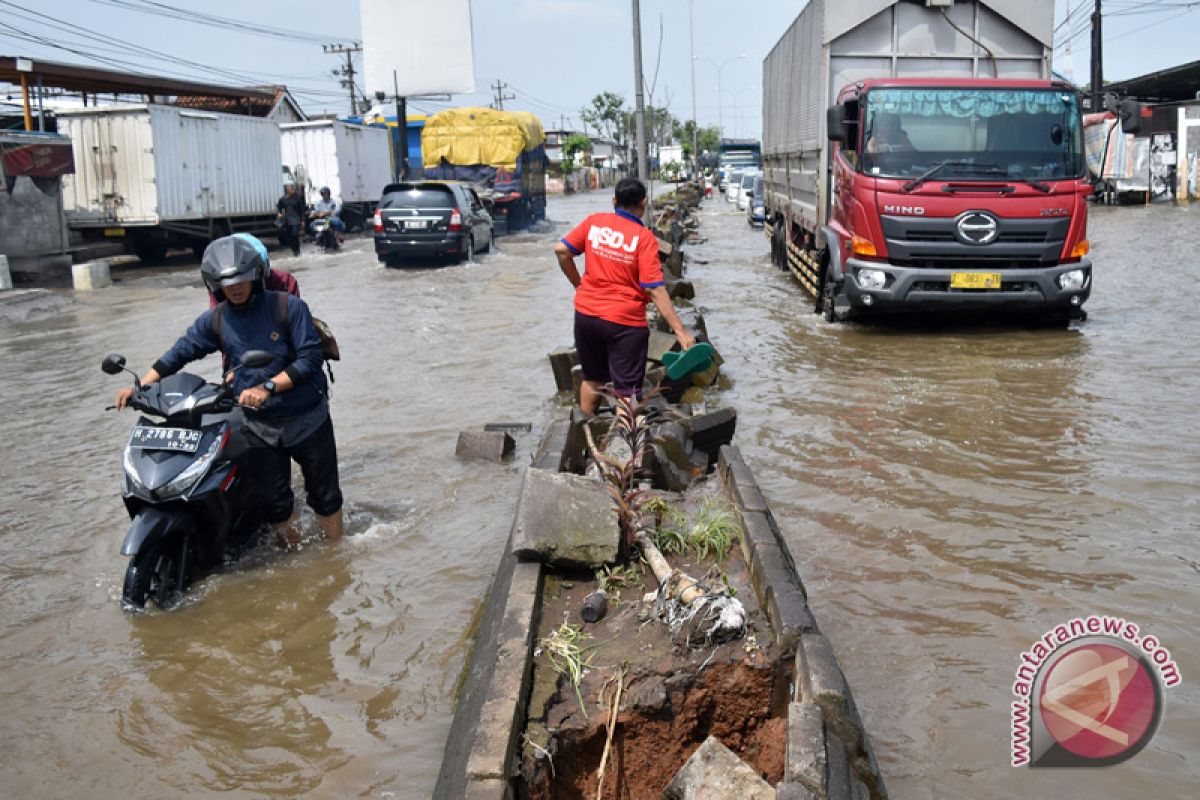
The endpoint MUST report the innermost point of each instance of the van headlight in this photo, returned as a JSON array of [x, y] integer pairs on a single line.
[[192, 473], [1072, 280], [872, 278]]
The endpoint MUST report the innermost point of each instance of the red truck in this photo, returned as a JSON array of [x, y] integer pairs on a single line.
[[948, 172]]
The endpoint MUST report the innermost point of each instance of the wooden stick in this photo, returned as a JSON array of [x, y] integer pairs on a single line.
[[612, 726], [679, 584]]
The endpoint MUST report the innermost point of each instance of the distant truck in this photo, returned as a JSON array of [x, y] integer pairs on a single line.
[[740, 154], [160, 176], [501, 153], [921, 157], [352, 160]]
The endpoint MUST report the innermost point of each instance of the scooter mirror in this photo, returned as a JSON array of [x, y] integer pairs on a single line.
[[113, 364], [256, 359]]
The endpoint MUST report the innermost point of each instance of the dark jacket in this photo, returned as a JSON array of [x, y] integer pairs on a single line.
[[293, 207], [251, 327]]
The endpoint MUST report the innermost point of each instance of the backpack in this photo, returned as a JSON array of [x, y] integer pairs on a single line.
[[279, 315]]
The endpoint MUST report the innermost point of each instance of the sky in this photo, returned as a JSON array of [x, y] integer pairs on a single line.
[[555, 55]]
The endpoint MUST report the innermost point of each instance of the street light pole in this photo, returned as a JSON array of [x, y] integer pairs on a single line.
[[720, 67], [692, 64]]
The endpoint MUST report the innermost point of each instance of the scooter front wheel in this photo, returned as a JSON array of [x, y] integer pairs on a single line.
[[152, 574]]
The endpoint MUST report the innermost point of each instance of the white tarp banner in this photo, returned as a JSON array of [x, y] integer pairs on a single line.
[[426, 43]]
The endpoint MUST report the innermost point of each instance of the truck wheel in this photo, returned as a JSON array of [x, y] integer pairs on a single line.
[[829, 291], [150, 251]]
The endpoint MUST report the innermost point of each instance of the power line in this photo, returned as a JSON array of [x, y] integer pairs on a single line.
[[346, 72], [498, 87], [167, 11]]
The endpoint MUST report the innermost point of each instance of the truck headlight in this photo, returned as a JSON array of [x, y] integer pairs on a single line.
[[1072, 280], [872, 278]]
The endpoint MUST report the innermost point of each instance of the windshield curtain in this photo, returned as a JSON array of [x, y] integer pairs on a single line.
[[994, 134]]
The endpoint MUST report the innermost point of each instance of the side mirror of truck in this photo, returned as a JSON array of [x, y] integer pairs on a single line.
[[1131, 116], [835, 122]]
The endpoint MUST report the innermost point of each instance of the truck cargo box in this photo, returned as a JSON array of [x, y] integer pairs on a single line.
[[352, 160], [833, 43], [152, 165]]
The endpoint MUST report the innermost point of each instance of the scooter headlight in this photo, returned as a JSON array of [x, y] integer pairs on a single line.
[[185, 480]]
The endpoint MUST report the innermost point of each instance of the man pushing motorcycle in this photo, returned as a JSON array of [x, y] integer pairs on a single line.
[[287, 407]]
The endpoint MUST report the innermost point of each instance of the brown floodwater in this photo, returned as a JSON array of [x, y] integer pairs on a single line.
[[949, 495]]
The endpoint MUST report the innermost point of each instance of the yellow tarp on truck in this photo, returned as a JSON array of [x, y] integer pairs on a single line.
[[466, 136]]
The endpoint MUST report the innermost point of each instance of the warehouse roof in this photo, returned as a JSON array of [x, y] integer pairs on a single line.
[[1167, 85], [79, 78]]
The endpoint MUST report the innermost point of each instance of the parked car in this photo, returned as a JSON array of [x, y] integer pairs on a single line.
[[743, 199], [733, 184], [755, 209], [422, 219]]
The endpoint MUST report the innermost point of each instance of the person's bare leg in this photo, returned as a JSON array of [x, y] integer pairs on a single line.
[[288, 531], [589, 397], [331, 526]]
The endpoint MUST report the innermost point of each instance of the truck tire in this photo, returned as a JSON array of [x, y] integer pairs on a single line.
[[150, 251], [829, 291]]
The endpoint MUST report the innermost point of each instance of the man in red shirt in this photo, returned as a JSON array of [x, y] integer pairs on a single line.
[[621, 274]]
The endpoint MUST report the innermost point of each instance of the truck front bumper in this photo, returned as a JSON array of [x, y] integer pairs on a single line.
[[919, 288]]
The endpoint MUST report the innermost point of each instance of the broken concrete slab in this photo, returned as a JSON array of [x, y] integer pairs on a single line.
[[565, 520], [561, 363], [822, 681], [714, 772], [681, 290], [706, 377], [805, 747], [484, 445], [712, 430], [660, 343]]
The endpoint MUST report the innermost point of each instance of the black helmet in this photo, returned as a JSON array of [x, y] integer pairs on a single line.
[[231, 260], [325, 190]]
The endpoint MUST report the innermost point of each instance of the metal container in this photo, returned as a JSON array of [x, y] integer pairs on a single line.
[[352, 160], [833, 43], [146, 165]]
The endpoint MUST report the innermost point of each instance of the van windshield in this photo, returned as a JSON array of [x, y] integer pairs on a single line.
[[983, 134]]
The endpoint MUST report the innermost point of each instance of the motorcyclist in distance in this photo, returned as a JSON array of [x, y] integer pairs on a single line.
[[328, 207]]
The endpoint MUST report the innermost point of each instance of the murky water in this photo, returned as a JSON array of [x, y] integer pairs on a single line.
[[949, 496]]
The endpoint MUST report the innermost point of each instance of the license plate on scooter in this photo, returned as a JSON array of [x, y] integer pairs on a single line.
[[179, 440]]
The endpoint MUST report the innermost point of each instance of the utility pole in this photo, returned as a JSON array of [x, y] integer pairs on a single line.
[[1097, 61], [643, 161], [500, 97], [345, 72], [692, 64]]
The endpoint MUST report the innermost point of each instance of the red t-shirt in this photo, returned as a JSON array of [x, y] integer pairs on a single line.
[[620, 267]]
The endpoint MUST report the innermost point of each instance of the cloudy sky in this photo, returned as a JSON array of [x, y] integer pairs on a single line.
[[555, 55]]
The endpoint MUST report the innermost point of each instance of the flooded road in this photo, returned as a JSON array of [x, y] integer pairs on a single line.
[[951, 495], [948, 495]]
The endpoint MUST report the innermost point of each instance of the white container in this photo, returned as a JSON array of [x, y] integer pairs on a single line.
[[833, 43], [146, 165], [352, 160]]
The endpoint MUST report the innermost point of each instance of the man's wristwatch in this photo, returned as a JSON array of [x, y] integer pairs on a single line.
[[270, 387]]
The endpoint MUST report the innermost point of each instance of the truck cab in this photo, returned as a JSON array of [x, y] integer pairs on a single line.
[[967, 193]]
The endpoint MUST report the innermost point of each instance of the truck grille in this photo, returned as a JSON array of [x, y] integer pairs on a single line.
[[932, 242]]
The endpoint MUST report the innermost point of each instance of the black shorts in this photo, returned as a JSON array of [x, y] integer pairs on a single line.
[[317, 456], [612, 353]]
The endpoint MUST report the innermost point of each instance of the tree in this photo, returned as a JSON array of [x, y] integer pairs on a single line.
[[607, 112], [574, 145], [709, 138]]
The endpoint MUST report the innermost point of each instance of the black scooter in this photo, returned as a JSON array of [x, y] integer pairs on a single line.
[[192, 506]]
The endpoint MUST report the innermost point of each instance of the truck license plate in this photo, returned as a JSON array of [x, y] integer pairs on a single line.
[[974, 280], [114, 231], [414, 224]]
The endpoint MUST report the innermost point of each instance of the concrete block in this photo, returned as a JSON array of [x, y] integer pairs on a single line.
[[566, 520], [90, 275], [706, 377], [5, 274], [794, 791], [839, 780], [484, 445], [664, 247], [805, 763], [681, 290], [822, 682], [561, 363], [693, 395], [712, 431], [576, 381], [487, 789], [713, 772], [551, 450]]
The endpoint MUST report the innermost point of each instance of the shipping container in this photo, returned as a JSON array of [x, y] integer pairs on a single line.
[[164, 176], [352, 160]]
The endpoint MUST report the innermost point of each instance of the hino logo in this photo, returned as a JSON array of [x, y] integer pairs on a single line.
[[977, 227], [916, 211]]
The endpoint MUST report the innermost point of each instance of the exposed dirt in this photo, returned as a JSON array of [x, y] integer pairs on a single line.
[[673, 698]]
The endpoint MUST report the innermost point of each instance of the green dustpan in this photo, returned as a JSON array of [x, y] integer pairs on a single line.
[[696, 358]]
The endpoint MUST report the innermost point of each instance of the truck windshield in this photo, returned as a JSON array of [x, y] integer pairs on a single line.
[[983, 134]]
